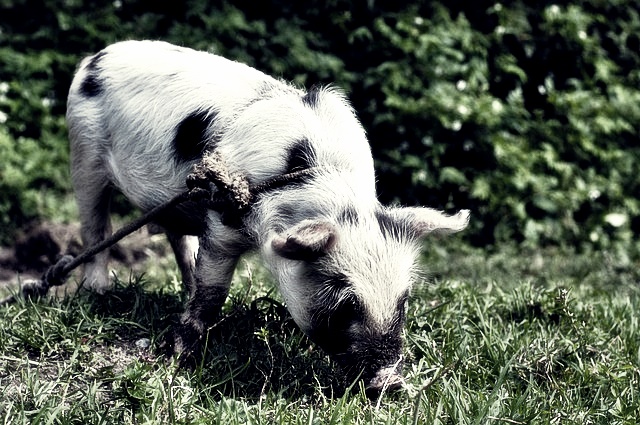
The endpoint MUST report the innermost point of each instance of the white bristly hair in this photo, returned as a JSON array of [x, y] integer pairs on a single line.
[[141, 114]]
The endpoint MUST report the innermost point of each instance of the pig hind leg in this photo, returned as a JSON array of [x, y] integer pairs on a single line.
[[92, 185], [93, 196]]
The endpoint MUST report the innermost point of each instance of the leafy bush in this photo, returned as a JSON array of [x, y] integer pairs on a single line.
[[526, 114], [34, 182], [522, 114]]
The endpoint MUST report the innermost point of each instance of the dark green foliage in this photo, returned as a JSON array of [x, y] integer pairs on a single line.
[[525, 113]]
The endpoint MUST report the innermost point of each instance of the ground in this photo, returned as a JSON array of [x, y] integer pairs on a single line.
[[41, 245], [512, 336]]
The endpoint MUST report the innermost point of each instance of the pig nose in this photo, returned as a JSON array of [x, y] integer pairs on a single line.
[[386, 379]]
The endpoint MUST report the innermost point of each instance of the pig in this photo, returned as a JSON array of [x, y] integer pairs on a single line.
[[142, 114]]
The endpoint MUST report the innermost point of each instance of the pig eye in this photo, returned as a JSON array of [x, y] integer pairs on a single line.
[[348, 308], [332, 289], [348, 311]]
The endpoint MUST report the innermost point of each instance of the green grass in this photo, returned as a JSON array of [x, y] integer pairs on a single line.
[[507, 338]]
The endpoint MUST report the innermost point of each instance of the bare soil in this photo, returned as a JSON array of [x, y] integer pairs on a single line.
[[40, 246]]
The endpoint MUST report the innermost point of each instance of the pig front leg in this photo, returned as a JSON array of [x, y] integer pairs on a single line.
[[206, 295], [185, 249]]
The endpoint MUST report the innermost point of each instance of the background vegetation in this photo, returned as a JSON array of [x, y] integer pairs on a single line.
[[527, 114]]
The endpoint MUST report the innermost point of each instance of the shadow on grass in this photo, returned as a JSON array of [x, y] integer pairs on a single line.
[[254, 349]]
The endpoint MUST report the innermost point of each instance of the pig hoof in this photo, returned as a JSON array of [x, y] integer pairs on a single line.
[[185, 345], [97, 286]]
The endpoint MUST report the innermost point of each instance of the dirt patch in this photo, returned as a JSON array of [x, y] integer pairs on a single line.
[[40, 246]]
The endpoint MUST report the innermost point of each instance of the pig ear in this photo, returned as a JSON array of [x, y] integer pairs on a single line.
[[307, 240], [423, 221]]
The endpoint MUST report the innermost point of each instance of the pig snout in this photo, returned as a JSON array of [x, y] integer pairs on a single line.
[[379, 369], [385, 379]]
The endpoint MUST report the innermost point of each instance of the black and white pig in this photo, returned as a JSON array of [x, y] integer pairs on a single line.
[[141, 114]]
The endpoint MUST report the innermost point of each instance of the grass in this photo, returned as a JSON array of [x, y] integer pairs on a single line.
[[510, 337]]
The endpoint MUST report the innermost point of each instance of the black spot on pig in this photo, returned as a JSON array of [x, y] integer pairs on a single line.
[[312, 97], [192, 136], [301, 156], [390, 228], [91, 85], [331, 325], [95, 60]]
